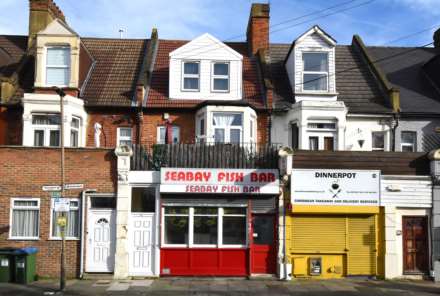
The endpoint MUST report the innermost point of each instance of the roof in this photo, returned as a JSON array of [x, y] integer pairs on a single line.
[[355, 84], [403, 67], [158, 93]]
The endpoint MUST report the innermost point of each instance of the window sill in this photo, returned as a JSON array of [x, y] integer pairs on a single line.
[[317, 92], [23, 239], [67, 239], [220, 91]]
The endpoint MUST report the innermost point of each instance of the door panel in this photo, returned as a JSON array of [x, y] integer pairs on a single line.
[[415, 244], [263, 251], [141, 240], [101, 239]]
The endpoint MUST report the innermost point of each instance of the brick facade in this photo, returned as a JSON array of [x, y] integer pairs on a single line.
[[26, 170]]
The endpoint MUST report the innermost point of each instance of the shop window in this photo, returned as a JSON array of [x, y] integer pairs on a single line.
[[103, 202], [73, 221], [315, 72], [176, 225], [46, 129], [124, 136], [162, 134], [25, 218], [408, 141], [58, 66], [191, 76], [143, 200], [234, 226], [205, 226], [228, 127], [378, 141]]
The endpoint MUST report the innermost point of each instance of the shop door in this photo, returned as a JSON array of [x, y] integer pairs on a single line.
[[141, 246], [101, 239], [263, 251], [415, 244]]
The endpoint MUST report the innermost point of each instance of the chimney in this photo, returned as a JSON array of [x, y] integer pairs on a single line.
[[41, 14], [437, 38], [258, 27]]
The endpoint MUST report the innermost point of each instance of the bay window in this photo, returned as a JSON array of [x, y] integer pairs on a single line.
[[315, 71], [25, 218], [46, 129], [73, 220], [74, 132], [228, 127], [191, 76], [58, 66], [220, 77], [205, 226]]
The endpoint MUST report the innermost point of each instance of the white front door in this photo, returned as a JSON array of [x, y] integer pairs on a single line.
[[101, 240], [141, 244]]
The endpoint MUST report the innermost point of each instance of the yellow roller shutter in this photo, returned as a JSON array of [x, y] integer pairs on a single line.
[[362, 245], [318, 234]]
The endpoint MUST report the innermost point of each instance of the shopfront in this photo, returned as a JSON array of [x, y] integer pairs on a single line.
[[218, 222], [334, 227]]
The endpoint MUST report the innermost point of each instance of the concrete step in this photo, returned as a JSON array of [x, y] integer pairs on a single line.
[[98, 276]]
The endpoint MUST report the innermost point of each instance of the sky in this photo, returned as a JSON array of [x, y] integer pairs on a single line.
[[378, 22]]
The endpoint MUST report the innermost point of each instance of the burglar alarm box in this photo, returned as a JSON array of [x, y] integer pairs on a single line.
[[315, 266]]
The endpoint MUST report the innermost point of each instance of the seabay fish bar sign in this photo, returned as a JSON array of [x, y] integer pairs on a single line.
[[219, 181], [335, 187]]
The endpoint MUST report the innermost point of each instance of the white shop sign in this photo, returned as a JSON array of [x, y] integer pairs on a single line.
[[335, 187], [219, 181]]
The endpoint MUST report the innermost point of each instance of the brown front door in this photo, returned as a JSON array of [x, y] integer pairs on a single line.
[[329, 144], [415, 244]]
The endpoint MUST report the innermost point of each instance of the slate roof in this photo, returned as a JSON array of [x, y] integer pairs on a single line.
[[355, 84], [158, 94], [403, 67]]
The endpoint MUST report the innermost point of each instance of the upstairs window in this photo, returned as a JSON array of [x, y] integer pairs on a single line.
[[408, 141], [74, 132], [46, 129], [315, 72], [378, 141], [191, 76], [124, 136], [58, 66], [228, 127], [220, 77]]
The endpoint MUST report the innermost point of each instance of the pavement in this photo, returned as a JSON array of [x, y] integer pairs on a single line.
[[223, 287]]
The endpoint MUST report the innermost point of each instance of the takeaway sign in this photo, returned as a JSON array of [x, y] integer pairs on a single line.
[[219, 181], [335, 187]]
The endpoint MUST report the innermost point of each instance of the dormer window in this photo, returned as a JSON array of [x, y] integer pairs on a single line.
[[220, 77], [58, 66], [191, 76], [315, 72]]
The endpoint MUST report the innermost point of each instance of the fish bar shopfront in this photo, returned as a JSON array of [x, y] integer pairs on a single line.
[[218, 222]]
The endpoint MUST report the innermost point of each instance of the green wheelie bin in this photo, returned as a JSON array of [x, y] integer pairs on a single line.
[[25, 265], [7, 264]]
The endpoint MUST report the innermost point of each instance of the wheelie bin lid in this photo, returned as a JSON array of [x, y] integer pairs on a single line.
[[28, 250]]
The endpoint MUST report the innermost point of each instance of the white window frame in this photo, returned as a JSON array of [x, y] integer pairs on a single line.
[[120, 138], [163, 127], [12, 207], [322, 133], [384, 134], [227, 77], [46, 128], [46, 66], [78, 208], [220, 214], [190, 76], [326, 73], [75, 129], [228, 128], [405, 144], [201, 138]]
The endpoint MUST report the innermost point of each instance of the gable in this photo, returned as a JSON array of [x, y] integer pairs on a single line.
[[317, 35], [57, 27], [206, 46]]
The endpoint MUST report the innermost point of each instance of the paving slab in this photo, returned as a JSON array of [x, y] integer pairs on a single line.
[[119, 286]]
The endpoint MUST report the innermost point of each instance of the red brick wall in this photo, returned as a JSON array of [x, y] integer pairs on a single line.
[[263, 128], [258, 27], [26, 170]]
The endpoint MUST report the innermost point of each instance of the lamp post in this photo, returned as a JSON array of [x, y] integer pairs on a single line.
[[62, 225]]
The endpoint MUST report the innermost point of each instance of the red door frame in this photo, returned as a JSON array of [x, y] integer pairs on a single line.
[[273, 248]]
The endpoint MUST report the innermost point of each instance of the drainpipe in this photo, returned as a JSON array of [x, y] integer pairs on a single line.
[[395, 125], [394, 95]]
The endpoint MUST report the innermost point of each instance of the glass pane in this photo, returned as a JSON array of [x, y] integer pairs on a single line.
[[315, 82], [318, 125], [191, 83], [74, 203], [75, 123], [162, 134], [205, 211], [25, 203], [221, 69], [221, 84], [177, 210], [237, 120], [191, 68], [74, 138], [205, 230], [48, 119], [57, 76], [143, 200], [408, 137], [219, 135], [103, 202], [58, 57], [234, 211], [202, 126], [407, 148], [378, 140], [176, 230], [235, 136], [38, 138], [125, 142], [176, 134], [234, 230], [25, 223], [313, 143], [54, 140], [315, 62], [125, 132], [263, 227]]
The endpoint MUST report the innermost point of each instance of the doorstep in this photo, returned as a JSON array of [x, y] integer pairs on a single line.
[[263, 276]]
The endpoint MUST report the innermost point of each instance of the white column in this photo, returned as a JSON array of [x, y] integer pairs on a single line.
[[122, 212]]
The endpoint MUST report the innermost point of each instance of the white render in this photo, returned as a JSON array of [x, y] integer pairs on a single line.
[[34, 103], [362, 127], [205, 49]]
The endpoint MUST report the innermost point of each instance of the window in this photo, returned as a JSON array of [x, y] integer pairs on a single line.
[[58, 66], [25, 216], [162, 134], [46, 128], [103, 202], [321, 126], [205, 226], [408, 141], [191, 76], [220, 77], [295, 136], [378, 141], [315, 75], [313, 143], [74, 132], [143, 200], [73, 220], [228, 127], [124, 136]]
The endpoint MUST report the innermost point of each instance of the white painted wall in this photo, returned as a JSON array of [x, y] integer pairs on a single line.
[[205, 49], [361, 128]]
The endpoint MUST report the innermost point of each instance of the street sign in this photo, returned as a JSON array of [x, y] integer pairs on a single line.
[[51, 188], [61, 204], [55, 194], [73, 186]]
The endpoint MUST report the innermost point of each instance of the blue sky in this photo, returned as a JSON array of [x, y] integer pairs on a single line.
[[377, 22]]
